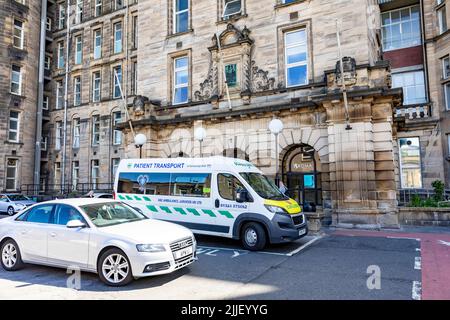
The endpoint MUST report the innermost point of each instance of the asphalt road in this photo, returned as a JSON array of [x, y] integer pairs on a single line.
[[328, 267]]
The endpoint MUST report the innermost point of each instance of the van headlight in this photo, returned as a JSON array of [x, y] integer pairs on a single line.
[[276, 209], [150, 248]]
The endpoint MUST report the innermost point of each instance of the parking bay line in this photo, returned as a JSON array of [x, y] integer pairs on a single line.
[[310, 242]]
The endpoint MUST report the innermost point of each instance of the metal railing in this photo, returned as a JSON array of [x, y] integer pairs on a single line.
[[405, 196], [65, 190]]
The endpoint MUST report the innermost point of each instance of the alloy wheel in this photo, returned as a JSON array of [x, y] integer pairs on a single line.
[[9, 255], [11, 211], [115, 268]]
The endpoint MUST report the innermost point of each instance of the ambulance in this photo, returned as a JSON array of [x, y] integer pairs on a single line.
[[216, 196]]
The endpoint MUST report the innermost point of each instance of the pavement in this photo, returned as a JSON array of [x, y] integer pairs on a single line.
[[410, 263]]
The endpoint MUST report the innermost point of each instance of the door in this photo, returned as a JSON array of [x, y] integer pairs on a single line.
[[67, 246], [228, 208], [302, 187], [32, 233]]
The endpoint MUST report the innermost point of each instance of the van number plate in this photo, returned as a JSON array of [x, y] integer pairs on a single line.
[[182, 253], [301, 232]]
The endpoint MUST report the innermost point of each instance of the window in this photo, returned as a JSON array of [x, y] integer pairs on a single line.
[[98, 8], [39, 214], [18, 34], [48, 24], [14, 126], [232, 8], [181, 15], [58, 135], [231, 75], [47, 62], [96, 87], [401, 28], [79, 11], [44, 144], [190, 184], [442, 19], [95, 173], [118, 37], [75, 174], [11, 174], [149, 183], [57, 176], [296, 58], [117, 74], [60, 54], [181, 80], [16, 80], [413, 85], [228, 186], [114, 166], [65, 213], [410, 163], [446, 67], [117, 134], [59, 94], [76, 91], [135, 32], [98, 44], [45, 103], [61, 16], [76, 133], [118, 4], [134, 81], [95, 130], [447, 95], [78, 49]]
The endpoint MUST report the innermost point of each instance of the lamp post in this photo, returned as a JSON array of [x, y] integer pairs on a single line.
[[199, 135], [139, 140], [275, 127]]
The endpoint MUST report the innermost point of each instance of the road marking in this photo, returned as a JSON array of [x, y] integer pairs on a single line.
[[310, 242], [445, 243], [418, 263], [417, 290], [406, 238]]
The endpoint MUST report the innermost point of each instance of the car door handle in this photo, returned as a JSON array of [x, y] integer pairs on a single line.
[[24, 232], [217, 203], [52, 234]]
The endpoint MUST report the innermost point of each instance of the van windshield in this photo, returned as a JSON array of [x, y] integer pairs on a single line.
[[263, 186]]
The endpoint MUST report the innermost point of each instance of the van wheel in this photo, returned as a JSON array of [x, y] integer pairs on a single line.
[[253, 236]]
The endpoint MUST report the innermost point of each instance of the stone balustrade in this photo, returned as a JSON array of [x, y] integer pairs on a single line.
[[411, 112]]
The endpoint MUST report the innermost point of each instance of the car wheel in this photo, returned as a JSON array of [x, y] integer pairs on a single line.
[[253, 236], [114, 268], [10, 211], [11, 259]]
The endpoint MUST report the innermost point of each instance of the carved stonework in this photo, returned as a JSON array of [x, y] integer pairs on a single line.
[[206, 88], [261, 80], [349, 66]]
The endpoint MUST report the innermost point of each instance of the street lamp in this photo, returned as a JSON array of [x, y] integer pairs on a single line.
[[199, 135], [275, 127], [139, 140]]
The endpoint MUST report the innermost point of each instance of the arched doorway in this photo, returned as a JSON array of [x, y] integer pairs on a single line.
[[301, 173]]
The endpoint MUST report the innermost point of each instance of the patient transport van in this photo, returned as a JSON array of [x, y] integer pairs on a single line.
[[214, 196]]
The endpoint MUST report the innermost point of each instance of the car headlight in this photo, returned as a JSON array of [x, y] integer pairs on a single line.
[[19, 206], [276, 209], [150, 248]]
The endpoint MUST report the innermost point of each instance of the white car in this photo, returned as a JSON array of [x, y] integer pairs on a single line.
[[96, 235]]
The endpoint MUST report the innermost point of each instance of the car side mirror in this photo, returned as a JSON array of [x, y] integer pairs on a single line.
[[74, 224], [241, 196]]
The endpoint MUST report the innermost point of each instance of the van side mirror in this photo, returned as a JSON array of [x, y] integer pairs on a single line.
[[241, 196]]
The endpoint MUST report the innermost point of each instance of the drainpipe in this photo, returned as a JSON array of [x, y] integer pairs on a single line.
[[66, 84], [424, 50], [37, 152]]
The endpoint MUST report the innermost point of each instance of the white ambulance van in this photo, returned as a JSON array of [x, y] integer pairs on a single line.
[[214, 196]]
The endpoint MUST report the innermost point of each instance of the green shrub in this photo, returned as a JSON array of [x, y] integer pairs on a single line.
[[439, 189], [416, 201]]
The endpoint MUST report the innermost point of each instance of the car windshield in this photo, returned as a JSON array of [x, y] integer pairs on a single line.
[[263, 186], [17, 197], [111, 213]]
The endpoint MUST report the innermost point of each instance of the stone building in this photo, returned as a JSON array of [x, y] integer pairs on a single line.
[[19, 53], [279, 59], [101, 70]]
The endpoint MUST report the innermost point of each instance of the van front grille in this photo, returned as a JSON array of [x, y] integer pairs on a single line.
[[298, 219]]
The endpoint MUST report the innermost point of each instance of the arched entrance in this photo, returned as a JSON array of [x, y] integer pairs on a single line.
[[301, 173]]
